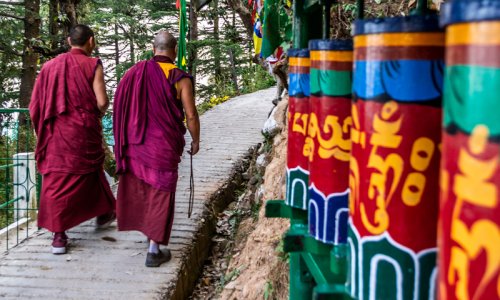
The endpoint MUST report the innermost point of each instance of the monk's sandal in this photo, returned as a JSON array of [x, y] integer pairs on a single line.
[[59, 243], [154, 260], [104, 221]]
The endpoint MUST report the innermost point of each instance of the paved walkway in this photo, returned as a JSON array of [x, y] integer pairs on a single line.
[[110, 264]]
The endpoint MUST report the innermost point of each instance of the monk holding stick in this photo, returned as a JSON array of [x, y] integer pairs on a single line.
[[151, 102]]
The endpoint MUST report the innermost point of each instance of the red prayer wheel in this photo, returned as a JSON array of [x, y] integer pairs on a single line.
[[298, 116], [328, 143], [469, 227], [398, 73]]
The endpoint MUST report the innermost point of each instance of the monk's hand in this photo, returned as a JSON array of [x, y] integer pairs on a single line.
[[195, 147]]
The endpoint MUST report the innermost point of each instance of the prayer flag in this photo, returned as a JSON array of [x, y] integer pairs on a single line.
[[257, 37], [273, 18], [181, 45]]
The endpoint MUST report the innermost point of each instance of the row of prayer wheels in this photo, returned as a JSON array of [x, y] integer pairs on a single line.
[[393, 173]]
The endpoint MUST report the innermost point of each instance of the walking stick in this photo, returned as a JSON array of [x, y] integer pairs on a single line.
[[191, 189]]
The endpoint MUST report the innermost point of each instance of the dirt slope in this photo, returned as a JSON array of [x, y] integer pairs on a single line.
[[262, 268]]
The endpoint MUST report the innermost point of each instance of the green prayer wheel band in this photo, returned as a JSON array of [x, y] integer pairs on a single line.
[[471, 94], [321, 82], [331, 68]]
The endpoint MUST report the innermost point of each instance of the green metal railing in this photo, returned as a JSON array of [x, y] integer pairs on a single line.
[[19, 181]]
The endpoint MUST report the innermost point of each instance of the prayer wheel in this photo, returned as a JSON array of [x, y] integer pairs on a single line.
[[298, 114], [328, 142], [469, 227], [394, 168]]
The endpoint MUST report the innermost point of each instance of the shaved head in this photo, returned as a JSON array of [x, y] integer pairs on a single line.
[[80, 34], [164, 41]]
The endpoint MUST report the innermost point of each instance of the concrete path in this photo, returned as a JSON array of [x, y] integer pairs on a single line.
[[110, 264]]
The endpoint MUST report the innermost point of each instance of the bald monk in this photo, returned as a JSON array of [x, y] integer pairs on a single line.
[[150, 105], [67, 103]]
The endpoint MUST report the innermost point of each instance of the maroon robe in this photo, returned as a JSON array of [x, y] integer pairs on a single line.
[[149, 140], [69, 151]]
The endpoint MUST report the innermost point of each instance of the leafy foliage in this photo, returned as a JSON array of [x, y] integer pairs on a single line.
[[268, 290], [225, 57], [344, 12], [124, 33], [10, 55]]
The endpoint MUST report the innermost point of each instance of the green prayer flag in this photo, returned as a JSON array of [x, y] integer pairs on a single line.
[[274, 22], [181, 45]]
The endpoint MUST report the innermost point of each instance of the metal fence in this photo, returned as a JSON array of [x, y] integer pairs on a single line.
[[19, 181]]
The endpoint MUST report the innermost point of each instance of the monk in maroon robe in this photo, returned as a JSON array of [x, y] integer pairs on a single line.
[[67, 103], [150, 105]]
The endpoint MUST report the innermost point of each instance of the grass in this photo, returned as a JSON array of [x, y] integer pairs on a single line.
[[255, 210], [268, 142], [268, 290], [280, 251], [225, 279]]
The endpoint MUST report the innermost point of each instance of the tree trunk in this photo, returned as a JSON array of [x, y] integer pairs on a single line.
[[53, 23], [69, 9], [234, 18], [117, 54], [132, 46], [216, 47], [30, 58], [234, 77], [245, 15], [193, 36]]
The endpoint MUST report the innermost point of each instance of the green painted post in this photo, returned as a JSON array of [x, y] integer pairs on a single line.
[[301, 284], [422, 7], [338, 258], [300, 25], [296, 25], [360, 4], [326, 19]]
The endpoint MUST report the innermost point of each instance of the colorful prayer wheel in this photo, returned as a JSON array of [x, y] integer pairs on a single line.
[[328, 142], [469, 227], [394, 168], [298, 115]]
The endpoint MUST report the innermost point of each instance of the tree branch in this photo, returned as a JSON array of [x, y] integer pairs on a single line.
[[9, 50], [11, 16], [11, 3], [50, 52], [244, 13], [124, 31]]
